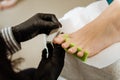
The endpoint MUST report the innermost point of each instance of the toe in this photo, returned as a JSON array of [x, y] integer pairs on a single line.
[[80, 54], [65, 45], [72, 50], [59, 39]]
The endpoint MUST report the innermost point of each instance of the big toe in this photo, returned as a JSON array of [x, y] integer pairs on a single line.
[[59, 39]]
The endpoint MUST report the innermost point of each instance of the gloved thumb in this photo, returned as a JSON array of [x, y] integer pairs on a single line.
[[44, 54], [58, 51], [47, 52]]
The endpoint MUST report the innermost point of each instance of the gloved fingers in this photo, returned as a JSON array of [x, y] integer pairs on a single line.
[[50, 25], [58, 51], [45, 16], [50, 18], [55, 20], [44, 54]]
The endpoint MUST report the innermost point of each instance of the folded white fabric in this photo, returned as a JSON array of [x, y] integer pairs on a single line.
[[61, 78], [80, 16], [12, 45]]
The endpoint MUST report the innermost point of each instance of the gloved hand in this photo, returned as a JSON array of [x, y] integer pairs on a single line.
[[51, 67], [39, 23], [5, 64], [2, 46]]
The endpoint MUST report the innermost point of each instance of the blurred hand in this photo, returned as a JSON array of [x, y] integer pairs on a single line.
[[51, 67]]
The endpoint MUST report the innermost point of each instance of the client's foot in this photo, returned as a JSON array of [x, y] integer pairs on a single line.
[[97, 35]]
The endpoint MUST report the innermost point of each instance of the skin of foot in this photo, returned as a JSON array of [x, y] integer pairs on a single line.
[[96, 35]]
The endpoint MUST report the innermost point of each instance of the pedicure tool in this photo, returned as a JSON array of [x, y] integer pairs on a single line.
[[45, 44], [45, 40]]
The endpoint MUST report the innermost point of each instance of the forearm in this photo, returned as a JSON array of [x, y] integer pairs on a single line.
[[6, 71], [11, 44]]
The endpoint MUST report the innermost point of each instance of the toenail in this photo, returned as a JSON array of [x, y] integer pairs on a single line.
[[65, 46], [79, 54], [71, 51]]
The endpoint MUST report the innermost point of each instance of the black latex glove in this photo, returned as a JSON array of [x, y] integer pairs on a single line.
[[51, 67], [39, 23], [2, 46], [6, 71]]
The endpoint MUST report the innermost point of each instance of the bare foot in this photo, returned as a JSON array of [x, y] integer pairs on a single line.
[[5, 4], [97, 35]]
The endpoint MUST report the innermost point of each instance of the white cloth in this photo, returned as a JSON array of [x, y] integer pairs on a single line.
[[74, 69]]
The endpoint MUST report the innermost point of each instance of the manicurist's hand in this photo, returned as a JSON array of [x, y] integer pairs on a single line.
[[39, 23], [50, 67]]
